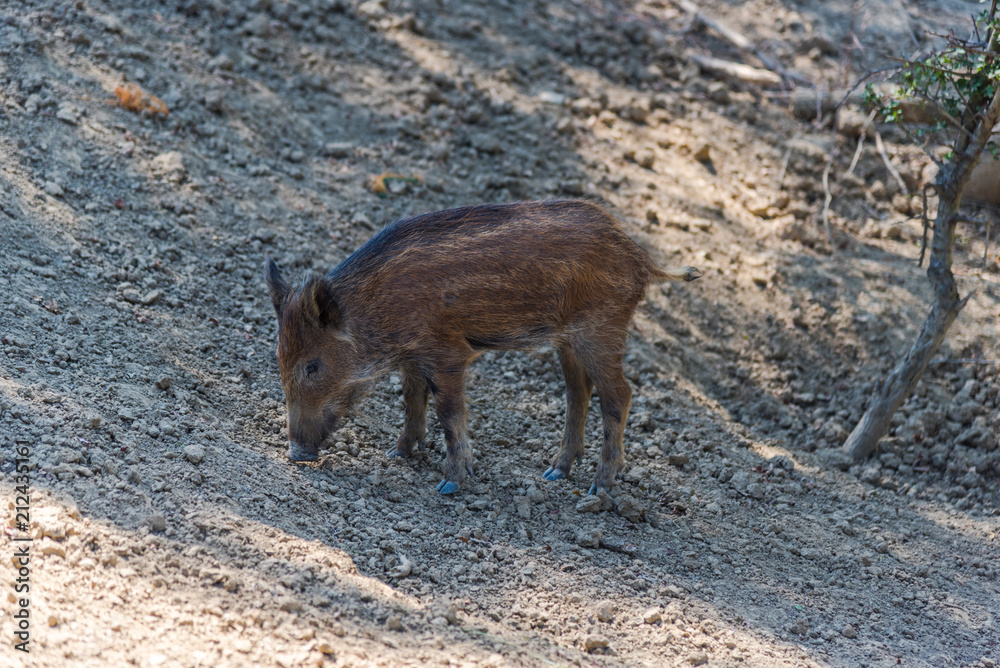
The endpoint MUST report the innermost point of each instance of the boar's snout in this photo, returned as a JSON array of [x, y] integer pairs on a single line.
[[298, 452], [307, 431]]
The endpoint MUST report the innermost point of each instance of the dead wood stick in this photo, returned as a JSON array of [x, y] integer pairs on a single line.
[[861, 143], [744, 73], [828, 197], [738, 40]]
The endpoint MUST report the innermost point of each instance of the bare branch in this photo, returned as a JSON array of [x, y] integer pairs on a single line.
[[888, 165]]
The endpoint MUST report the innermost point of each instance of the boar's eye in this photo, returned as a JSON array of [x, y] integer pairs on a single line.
[[312, 367]]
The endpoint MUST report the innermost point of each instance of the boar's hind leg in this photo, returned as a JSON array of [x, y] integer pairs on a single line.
[[415, 395], [615, 395], [579, 386], [449, 401]]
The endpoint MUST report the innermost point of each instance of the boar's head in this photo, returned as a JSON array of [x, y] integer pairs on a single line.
[[317, 359]]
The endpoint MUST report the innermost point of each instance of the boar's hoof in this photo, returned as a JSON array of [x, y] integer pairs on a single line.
[[396, 453], [447, 487], [552, 473], [300, 453], [595, 490]]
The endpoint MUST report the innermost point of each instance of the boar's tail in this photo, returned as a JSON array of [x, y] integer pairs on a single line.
[[687, 274]]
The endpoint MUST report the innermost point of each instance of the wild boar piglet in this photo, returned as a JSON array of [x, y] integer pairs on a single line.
[[427, 294]]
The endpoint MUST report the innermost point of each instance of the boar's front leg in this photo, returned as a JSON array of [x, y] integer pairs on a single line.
[[579, 387], [415, 395], [449, 401]]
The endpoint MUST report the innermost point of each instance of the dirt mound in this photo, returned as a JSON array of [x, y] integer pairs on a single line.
[[137, 342]]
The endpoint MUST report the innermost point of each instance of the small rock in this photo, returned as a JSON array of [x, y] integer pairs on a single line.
[[67, 114], [485, 143], [698, 659], [157, 523], [605, 611], [152, 297], [522, 505], [394, 623], [678, 459], [338, 149], [594, 643], [550, 97], [651, 616], [215, 101], [265, 234], [799, 628], [871, 475], [630, 508], [220, 62], [594, 503], [169, 165], [584, 106], [53, 188], [290, 605], [718, 92], [572, 187], [402, 569], [849, 632], [194, 453], [703, 153], [645, 158], [163, 382], [589, 537]]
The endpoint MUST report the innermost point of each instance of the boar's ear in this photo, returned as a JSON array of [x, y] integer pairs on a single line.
[[275, 284], [319, 302]]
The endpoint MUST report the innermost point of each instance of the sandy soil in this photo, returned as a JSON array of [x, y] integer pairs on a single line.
[[137, 339]]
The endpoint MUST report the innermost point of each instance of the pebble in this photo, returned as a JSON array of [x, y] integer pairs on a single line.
[[849, 632], [605, 611], [485, 143], [215, 101], [522, 504], [157, 523], [698, 659], [550, 97], [402, 569], [594, 503], [678, 459], [703, 153], [151, 297], [338, 149], [53, 188], [630, 508], [652, 616], [67, 114], [799, 628], [194, 453], [170, 165], [394, 623], [595, 642], [589, 538]]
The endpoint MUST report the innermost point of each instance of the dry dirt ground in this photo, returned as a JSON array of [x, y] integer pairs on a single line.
[[137, 369]]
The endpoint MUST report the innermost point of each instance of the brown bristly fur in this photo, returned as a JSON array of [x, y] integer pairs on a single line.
[[428, 294]]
